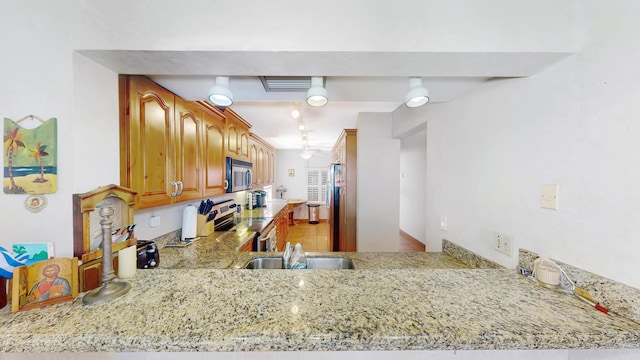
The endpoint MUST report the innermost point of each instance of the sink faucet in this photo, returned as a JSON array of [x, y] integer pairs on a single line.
[[286, 256]]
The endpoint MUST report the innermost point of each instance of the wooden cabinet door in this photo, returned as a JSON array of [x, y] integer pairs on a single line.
[[237, 135], [253, 158], [147, 144], [272, 167], [247, 247], [243, 143], [232, 139], [188, 135], [281, 222], [214, 155], [260, 166]]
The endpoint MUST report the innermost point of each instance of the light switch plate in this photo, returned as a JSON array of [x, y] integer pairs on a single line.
[[549, 196], [443, 222]]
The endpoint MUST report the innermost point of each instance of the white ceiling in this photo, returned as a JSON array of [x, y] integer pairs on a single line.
[[355, 81]]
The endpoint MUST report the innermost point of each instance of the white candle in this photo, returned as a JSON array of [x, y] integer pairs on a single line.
[[127, 262]]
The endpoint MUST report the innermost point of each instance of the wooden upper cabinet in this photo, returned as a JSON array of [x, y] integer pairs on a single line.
[[214, 152], [173, 150], [259, 167], [188, 135], [232, 139], [272, 167], [147, 145], [160, 143], [237, 135], [253, 158], [243, 142], [261, 154]]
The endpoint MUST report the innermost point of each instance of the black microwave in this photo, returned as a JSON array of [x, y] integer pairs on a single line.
[[239, 175]]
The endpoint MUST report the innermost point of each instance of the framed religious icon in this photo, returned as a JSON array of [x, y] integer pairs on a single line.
[[44, 283]]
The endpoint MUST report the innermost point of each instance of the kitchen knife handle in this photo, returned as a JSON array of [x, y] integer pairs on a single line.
[[600, 308]]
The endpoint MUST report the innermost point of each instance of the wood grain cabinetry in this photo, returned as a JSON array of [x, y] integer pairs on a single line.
[[146, 141], [262, 155], [237, 135], [247, 247], [213, 152], [188, 141], [160, 145], [345, 153], [173, 150], [281, 222]]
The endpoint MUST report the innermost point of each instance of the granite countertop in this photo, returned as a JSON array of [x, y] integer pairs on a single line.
[[200, 299], [367, 309]]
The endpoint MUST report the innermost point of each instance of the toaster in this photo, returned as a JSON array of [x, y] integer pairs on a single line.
[[148, 255]]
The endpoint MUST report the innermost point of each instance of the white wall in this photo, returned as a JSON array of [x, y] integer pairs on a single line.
[[378, 177], [41, 75], [576, 125], [413, 192], [297, 185]]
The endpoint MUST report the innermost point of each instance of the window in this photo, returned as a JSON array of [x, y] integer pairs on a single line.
[[316, 184]]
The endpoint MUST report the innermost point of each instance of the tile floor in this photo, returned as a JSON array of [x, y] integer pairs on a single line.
[[315, 237], [312, 237]]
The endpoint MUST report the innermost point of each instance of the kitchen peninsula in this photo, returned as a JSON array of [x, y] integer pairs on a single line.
[[201, 299]]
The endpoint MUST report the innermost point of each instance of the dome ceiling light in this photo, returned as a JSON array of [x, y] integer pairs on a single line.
[[220, 94], [317, 94], [418, 95]]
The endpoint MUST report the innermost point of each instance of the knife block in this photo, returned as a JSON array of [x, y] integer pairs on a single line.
[[205, 228]]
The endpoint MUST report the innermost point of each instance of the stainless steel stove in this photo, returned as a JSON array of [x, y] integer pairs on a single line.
[[224, 215]]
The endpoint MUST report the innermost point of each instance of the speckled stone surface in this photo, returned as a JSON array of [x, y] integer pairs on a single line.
[[200, 300], [269, 310], [467, 257], [620, 298]]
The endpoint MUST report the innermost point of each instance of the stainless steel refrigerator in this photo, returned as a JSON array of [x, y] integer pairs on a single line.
[[333, 205]]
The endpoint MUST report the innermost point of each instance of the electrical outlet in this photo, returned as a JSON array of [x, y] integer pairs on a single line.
[[503, 243], [154, 221]]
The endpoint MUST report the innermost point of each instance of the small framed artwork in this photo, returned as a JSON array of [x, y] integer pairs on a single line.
[[292, 172], [44, 283]]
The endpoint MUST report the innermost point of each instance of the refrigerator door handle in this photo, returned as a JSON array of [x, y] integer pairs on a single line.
[[327, 195]]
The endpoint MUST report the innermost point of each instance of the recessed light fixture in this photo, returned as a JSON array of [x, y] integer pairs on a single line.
[[317, 94], [220, 94], [418, 95]]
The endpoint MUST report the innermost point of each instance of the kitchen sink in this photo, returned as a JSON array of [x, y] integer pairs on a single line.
[[313, 263]]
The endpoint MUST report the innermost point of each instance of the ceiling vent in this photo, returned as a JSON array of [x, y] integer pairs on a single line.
[[286, 83]]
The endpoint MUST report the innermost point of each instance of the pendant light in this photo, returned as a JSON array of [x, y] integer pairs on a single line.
[[295, 113], [418, 95], [220, 94], [317, 94]]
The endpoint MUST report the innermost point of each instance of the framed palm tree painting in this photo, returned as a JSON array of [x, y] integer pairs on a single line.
[[30, 156]]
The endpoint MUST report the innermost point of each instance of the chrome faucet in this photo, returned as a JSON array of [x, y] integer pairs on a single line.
[[286, 256]]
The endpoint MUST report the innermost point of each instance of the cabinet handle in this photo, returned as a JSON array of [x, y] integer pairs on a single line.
[[181, 187], [175, 188]]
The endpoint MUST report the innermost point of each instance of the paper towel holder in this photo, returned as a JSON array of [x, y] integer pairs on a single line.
[[189, 223]]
